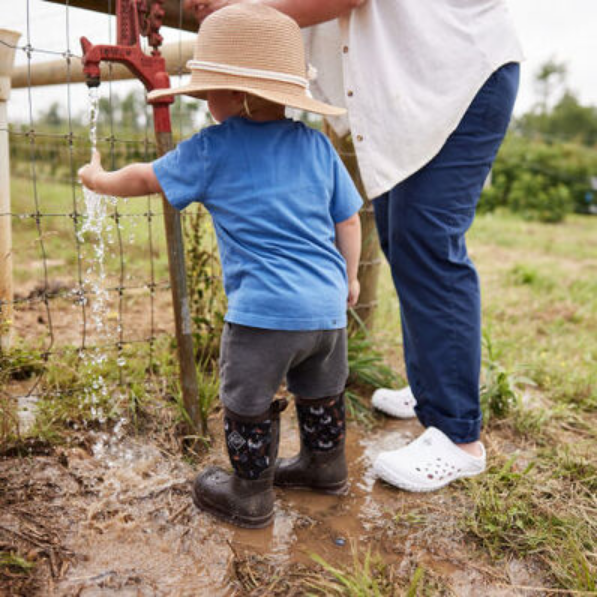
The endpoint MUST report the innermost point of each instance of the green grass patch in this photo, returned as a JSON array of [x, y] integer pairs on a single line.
[[543, 510]]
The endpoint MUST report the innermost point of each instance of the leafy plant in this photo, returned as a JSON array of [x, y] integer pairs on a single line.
[[205, 287], [541, 181], [499, 396], [367, 577], [368, 371], [209, 389]]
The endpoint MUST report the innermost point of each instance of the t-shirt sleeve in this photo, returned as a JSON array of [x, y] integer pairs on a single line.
[[346, 200], [181, 172]]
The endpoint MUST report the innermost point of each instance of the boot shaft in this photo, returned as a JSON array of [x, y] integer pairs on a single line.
[[322, 423], [321, 462], [252, 442]]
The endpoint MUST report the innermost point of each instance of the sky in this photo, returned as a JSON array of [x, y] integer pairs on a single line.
[[564, 30]]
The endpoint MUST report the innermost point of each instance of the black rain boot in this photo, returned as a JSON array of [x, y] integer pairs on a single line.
[[321, 463], [244, 497]]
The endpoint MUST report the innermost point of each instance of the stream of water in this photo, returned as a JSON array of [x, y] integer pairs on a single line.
[[97, 228]]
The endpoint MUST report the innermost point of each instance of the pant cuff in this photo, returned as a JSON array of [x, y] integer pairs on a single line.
[[460, 431]]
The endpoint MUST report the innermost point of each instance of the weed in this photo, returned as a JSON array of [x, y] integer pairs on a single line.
[[367, 372], [19, 364], [530, 421], [415, 582], [368, 577], [498, 394], [15, 563], [544, 510], [209, 389], [206, 293]]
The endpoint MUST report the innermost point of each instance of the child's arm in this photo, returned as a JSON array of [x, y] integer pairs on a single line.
[[348, 241], [131, 181]]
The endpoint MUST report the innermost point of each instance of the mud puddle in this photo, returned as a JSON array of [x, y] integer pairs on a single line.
[[141, 534], [119, 516]]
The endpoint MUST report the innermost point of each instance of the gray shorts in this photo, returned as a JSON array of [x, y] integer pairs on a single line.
[[254, 362]]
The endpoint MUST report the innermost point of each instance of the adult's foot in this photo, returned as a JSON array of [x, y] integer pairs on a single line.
[[428, 463], [395, 403], [473, 448]]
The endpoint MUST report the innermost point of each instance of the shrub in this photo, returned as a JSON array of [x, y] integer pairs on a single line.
[[541, 181]]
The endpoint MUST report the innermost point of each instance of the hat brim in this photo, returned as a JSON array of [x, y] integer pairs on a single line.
[[292, 100]]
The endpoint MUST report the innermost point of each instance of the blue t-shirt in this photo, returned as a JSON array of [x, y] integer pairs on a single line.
[[274, 191]]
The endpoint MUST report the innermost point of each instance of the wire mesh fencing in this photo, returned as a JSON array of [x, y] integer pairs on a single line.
[[58, 332]]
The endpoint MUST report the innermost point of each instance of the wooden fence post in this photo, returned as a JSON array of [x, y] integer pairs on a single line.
[[7, 52], [370, 257]]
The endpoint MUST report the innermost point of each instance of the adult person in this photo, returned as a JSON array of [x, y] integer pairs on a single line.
[[430, 87]]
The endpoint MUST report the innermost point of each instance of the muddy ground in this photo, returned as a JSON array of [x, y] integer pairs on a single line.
[[111, 514]]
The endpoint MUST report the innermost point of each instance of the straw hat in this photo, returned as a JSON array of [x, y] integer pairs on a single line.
[[255, 49]]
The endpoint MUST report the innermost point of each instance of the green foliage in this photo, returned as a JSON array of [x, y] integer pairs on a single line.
[[367, 578], [541, 181], [536, 198], [568, 121], [498, 395], [544, 510], [523, 274], [206, 294], [15, 563], [368, 371], [19, 364], [209, 390]]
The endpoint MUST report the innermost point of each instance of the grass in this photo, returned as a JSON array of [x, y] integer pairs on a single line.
[[15, 563], [368, 371], [368, 576], [59, 243], [544, 509]]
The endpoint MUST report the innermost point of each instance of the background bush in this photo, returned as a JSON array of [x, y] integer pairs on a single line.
[[540, 180]]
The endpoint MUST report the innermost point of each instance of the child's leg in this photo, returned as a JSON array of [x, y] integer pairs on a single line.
[[253, 363], [318, 383]]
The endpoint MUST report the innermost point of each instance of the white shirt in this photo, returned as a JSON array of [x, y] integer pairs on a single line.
[[407, 70]]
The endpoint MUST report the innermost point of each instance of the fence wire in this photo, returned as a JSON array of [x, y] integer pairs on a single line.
[[52, 262]]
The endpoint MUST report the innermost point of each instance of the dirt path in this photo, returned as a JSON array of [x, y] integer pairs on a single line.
[[113, 516]]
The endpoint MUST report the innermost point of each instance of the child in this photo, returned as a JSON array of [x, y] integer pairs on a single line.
[[285, 214]]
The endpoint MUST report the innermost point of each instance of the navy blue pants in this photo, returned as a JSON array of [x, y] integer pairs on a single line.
[[422, 224]]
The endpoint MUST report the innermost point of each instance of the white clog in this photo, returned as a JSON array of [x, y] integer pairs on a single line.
[[395, 403], [428, 463]]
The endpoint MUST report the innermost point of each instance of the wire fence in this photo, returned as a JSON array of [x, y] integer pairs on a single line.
[[55, 263]]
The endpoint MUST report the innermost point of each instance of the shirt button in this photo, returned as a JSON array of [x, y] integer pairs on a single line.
[[349, 93], [345, 49], [359, 138]]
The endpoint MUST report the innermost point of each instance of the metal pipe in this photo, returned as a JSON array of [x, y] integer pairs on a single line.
[[9, 40], [58, 72]]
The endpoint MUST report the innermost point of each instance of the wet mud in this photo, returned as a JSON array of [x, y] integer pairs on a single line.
[[113, 516]]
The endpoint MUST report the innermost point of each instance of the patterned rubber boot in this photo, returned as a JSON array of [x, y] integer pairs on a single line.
[[321, 463], [244, 497]]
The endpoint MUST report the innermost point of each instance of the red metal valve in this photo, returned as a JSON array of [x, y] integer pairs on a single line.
[[151, 70]]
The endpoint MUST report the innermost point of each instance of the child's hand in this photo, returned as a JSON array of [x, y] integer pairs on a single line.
[[88, 172], [354, 289]]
